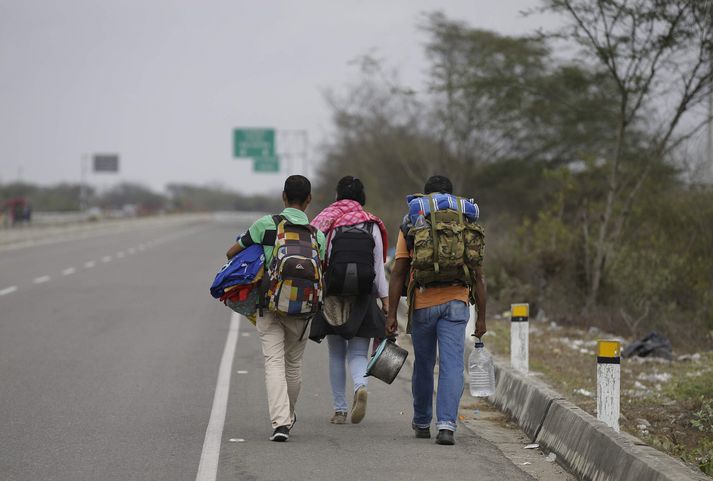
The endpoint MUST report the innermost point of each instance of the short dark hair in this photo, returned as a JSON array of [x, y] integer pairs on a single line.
[[350, 187], [297, 189], [438, 183]]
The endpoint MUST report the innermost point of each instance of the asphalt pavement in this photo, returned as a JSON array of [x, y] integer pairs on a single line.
[[111, 354]]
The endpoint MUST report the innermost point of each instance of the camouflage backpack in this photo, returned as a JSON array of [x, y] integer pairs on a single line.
[[447, 248]]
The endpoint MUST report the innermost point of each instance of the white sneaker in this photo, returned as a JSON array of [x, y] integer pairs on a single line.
[[359, 406]]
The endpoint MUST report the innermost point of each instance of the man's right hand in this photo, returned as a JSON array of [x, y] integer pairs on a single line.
[[392, 326], [396, 284]]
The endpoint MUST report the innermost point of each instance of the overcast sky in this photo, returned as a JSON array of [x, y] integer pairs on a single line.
[[164, 82]]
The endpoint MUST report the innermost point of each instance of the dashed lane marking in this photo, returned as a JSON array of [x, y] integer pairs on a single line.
[[106, 259], [89, 264], [131, 250], [120, 254], [41, 279], [8, 290], [69, 271]]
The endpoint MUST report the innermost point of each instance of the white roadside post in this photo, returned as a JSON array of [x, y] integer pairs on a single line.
[[608, 382], [519, 337]]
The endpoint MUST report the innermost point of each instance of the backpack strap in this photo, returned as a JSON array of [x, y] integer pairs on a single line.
[[461, 221], [269, 238], [434, 234], [459, 207], [277, 219]]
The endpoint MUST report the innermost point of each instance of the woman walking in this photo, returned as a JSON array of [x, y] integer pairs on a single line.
[[354, 279]]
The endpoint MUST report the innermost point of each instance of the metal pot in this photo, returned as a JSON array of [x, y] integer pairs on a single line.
[[387, 361]]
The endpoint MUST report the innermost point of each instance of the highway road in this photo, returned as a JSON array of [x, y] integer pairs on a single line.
[[116, 364]]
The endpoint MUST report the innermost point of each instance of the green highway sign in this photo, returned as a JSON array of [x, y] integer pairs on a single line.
[[254, 143], [266, 164]]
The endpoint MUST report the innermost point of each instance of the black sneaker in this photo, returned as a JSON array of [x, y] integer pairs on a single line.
[[445, 437], [423, 433], [281, 434]]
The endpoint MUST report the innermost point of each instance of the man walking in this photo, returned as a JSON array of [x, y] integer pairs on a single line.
[[282, 333], [438, 314]]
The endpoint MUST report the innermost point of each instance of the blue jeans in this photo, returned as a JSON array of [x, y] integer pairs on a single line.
[[355, 350], [442, 325]]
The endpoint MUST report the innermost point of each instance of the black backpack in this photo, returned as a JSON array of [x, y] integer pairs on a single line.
[[350, 266]]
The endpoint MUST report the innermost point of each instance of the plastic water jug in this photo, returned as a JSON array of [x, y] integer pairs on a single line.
[[481, 371]]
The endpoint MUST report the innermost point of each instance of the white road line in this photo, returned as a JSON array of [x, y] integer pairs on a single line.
[[208, 467], [89, 264], [41, 279], [120, 254], [131, 250], [69, 271], [8, 290], [141, 247], [106, 259]]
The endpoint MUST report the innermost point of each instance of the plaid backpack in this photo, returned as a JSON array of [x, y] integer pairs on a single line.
[[294, 283]]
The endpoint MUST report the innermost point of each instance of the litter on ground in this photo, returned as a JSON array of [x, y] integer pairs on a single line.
[[655, 377], [584, 392]]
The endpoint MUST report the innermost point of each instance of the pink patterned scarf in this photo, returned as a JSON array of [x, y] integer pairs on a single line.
[[347, 212]]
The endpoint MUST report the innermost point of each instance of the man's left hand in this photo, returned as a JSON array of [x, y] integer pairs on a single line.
[[480, 328]]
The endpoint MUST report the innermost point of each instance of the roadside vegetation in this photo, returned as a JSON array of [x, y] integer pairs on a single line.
[[64, 197]]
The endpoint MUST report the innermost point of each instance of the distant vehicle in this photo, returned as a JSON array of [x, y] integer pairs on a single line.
[[16, 211]]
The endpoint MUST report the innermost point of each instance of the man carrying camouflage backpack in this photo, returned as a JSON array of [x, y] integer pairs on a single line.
[[440, 248], [290, 296]]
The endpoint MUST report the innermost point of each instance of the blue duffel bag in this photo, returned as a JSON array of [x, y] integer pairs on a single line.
[[239, 270], [421, 203]]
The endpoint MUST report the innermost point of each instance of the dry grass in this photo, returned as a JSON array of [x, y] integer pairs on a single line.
[[663, 403]]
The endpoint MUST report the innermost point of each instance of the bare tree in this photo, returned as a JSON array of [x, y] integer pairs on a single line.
[[658, 55]]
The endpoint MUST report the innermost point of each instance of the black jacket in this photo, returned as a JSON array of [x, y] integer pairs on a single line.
[[366, 320]]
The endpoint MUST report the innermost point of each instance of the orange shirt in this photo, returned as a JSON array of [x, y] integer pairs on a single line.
[[430, 296]]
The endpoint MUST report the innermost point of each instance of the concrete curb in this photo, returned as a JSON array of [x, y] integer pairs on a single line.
[[528, 402], [584, 445]]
